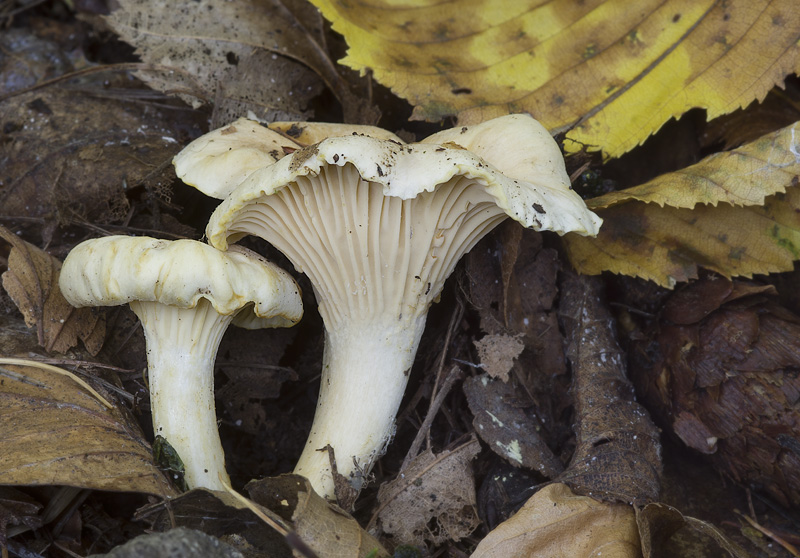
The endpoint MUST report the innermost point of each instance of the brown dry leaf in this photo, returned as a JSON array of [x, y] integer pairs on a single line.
[[57, 432], [618, 453], [324, 527], [17, 508], [73, 154], [436, 490], [610, 72], [269, 57], [497, 353], [506, 428], [555, 523], [32, 283]]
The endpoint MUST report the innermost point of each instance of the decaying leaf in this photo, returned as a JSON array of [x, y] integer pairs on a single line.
[[72, 154], [555, 523], [506, 428], [497, 353], [433, 500], [314, 519], [17, 508], [618, 452], [32, 283], [268, 57], [57, 432], [612, 74], [719, 370]]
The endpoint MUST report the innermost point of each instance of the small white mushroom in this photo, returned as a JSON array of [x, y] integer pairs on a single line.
[[185, 293], [378, 225]]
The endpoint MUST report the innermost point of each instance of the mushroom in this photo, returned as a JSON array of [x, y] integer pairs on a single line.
[[378, 225], [185, 293]]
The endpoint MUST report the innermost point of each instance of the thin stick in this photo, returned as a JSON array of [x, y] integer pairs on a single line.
[[292, 539], [57, 370], [453, 375]]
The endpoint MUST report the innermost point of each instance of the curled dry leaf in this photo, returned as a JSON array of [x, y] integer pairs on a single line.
[[324, 527], [506, 428], [618, 453], [555, 523], [32, 283], [436, 490], [57, 432]]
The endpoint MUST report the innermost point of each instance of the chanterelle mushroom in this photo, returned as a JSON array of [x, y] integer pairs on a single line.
[[185, 293], [378, 225]]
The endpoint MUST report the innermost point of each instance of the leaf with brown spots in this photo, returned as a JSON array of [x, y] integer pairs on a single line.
[[32, 283], [610, 72]]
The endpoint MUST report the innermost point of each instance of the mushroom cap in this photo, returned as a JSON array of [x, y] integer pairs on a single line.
[[121, 269], [306, 133], [517, 144], [217, 162], [537, 194]]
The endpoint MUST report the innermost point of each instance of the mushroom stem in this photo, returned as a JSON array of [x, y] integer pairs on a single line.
[[364, 374], [181, 378]]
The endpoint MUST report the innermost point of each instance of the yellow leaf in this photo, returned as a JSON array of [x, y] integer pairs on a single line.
[[666, 245], [743, 176], [557, 523], [611, 71]]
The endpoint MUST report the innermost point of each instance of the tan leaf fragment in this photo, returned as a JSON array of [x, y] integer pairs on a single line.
[[325, 528], [32, 283], [56, 432], [555, 523], [497, 353], [742, 176], [437, 488]]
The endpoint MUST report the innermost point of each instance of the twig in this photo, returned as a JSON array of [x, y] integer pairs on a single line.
[[453, 375], [755, 525], [57, 370], [292, 538]]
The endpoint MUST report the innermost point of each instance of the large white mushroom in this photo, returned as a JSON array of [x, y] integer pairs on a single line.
[[378, 225], [185, 293]]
